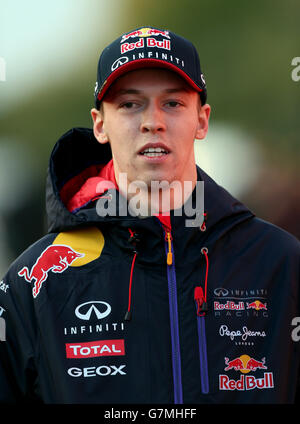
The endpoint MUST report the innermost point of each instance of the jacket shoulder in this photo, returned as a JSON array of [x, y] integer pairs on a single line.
[[274, 234], [262, 239], [56, 251], [29, 256]]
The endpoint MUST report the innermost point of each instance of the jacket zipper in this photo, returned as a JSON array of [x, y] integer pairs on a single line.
[[201, 308], [172, 287]]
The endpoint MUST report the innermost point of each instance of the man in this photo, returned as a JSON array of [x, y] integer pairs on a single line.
[[133, 297]]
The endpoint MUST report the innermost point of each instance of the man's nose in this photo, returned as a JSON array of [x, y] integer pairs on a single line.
[[152, 119]]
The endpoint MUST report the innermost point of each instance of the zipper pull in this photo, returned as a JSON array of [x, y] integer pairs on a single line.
[[200, 301], [169, 254]]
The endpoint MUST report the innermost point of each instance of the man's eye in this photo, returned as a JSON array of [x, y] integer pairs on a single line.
[[173, 104], [127, 105]]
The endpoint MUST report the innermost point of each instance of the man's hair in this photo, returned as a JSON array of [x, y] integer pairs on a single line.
[[101, 109]]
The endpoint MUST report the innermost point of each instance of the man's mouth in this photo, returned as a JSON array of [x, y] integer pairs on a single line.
[[154, 151]]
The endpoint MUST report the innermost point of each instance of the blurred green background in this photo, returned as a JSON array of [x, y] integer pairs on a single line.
[[48, 57]]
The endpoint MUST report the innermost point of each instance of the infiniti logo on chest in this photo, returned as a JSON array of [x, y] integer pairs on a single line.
[[96, 307]]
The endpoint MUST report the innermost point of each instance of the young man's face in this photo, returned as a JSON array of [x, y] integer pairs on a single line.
[[151, 109]]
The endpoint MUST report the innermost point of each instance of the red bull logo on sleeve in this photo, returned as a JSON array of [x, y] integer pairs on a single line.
[[55, 258], [145, 32], [246, 364]]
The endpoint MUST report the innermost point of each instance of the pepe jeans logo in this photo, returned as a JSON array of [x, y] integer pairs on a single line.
[[240, 337]]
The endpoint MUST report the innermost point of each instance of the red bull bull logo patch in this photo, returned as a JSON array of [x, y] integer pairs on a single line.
[[144, 32], [245, 364], [257, 305], [56, 258], [73, 248]]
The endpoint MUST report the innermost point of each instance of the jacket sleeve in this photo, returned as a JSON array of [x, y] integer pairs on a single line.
[[17, 341]]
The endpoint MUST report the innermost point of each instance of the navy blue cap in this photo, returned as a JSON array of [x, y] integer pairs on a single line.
[[149, 47]]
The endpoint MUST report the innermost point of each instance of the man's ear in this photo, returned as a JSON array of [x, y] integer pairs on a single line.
[[98, 128], [203, 118]]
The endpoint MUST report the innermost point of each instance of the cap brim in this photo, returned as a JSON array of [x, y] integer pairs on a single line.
[[146, 63]]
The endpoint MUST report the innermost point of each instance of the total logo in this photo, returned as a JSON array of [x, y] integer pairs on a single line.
[[95, 349], [245, 364]]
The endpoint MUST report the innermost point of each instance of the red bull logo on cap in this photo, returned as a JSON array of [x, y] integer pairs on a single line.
[[150, 42], [145, 32], [55, 258], [245, 364]]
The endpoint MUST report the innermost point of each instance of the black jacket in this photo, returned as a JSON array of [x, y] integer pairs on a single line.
[[212, 326]]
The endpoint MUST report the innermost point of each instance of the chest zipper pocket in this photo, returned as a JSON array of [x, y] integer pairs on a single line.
[[201, 308]]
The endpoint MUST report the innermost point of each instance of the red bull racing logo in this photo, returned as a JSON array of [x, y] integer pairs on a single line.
[[245, 364], [145, 32], [55, 258]]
